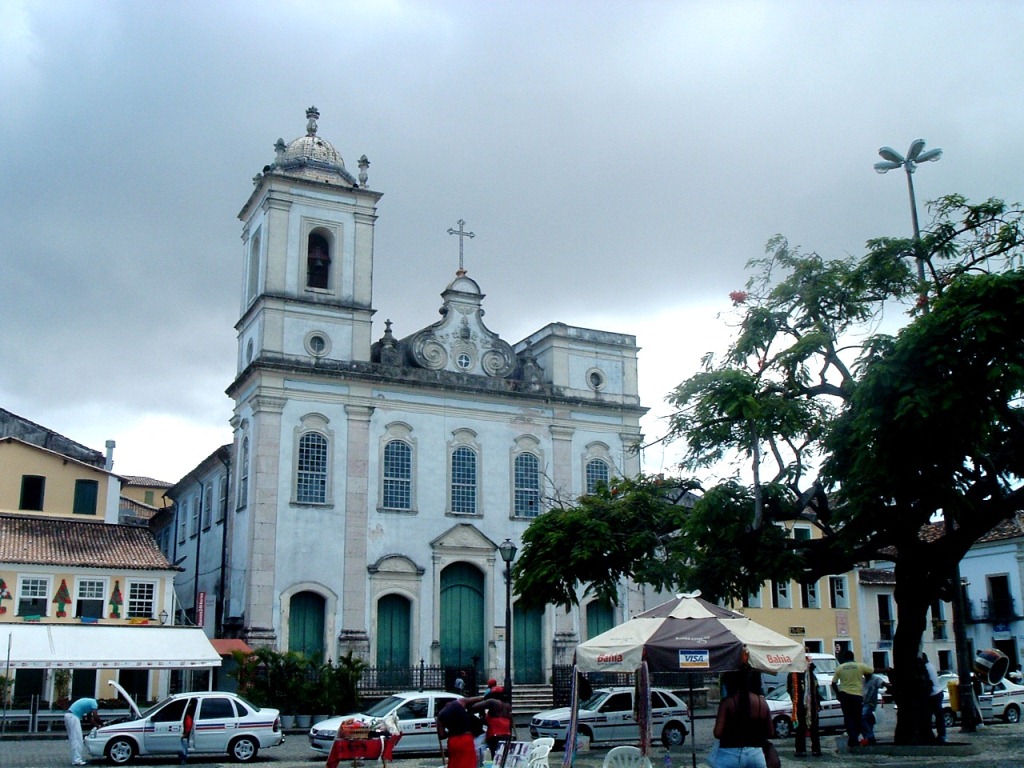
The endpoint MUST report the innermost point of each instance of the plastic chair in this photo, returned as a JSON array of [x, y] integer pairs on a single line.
[[543, 741], [537, 757], [625, 757]]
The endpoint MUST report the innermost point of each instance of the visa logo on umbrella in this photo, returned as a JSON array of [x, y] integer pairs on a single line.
[[694, 659]]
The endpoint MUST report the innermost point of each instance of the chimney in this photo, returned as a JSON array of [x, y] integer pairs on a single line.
[[109, 464]]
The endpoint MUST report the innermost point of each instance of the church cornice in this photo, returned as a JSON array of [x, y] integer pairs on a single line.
[[277, 301], [448, 381]]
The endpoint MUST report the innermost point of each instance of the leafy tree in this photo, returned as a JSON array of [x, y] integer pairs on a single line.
[[866, 435]]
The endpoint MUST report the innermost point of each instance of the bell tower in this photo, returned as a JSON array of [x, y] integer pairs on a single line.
[[308, 257]]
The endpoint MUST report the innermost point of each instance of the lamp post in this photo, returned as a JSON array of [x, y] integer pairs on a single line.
[[508, 554], [891, 160]]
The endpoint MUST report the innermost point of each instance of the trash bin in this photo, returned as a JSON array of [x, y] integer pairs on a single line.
[[953, 686]]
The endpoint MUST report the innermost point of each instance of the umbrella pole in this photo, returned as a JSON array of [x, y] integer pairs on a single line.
[[693, 725]]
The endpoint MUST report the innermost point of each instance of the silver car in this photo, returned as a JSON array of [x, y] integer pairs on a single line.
[[780, 705], [607, 718], [224, 723]]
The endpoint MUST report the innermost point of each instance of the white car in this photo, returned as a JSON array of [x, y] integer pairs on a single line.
[[415, 711], [1003, 700], [780, 705], [224, 723], [607, 718]]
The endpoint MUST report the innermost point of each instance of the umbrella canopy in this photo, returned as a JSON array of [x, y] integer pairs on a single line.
[[688, 634]]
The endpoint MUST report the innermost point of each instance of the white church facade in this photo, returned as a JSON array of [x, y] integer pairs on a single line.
[[374, 474]]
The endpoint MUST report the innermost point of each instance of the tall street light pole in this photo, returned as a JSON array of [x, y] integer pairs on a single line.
[[891, 160], [508, 554]]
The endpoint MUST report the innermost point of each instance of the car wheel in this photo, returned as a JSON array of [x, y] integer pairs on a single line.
[[949, 717], [783, 727], [121, 750], [1012, 714], [585, 732], [243, 749], [674, 735]]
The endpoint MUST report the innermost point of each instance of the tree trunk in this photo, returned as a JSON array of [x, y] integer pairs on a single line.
[[915, 590]]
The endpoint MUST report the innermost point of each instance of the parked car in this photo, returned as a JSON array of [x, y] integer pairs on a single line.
[[225, 723], [1003, 700], [415, 711], [780, 705], [607, 718]]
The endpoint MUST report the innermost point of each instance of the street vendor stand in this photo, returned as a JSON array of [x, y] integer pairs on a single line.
[[359, 743], [686, 634]]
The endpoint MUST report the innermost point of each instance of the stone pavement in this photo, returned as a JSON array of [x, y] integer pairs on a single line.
[[995, 746]]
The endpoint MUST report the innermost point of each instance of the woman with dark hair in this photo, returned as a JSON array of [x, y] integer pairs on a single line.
[[456, 724], [743, 724]]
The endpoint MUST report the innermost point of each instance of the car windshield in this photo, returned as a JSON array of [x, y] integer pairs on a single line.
[[779, 694], [155, 707], [825, 666], [594, 701], [381, 708]]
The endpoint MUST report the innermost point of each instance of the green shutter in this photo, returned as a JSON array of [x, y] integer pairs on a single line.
[[86, 495]]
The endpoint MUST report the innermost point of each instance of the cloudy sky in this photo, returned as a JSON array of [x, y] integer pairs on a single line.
[[619, 163]]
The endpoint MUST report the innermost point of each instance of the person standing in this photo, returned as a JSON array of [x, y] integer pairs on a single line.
[[497, 716], [935, 700], [869, 696], [803, 690], [848, 683], [742, 726], [188, 723], [82, 709], [455, 724]]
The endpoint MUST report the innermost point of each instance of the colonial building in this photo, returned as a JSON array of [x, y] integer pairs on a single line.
[[375, 472]]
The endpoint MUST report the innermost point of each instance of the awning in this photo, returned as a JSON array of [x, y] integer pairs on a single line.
[[92, 646], [226, 645]]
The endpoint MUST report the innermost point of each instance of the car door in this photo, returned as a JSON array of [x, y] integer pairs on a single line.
[[164, 727], [215, 724], [830, 711], [615, 721], [419, 733]]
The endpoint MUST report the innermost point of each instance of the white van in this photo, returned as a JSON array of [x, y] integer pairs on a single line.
[[824, 667]]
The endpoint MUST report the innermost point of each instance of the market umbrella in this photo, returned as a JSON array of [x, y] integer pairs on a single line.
[[689, 634]]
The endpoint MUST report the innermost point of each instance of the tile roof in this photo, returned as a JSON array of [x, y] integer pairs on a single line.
[[76, 543], [137, 508], [876, 576], [148, 482], [1007, 529], [13, 425]]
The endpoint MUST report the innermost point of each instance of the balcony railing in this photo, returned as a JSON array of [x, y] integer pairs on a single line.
[[938, 629], [995, 611], [886, 629]]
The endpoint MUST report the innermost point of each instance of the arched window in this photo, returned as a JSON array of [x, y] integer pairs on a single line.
[[597, 475], [527, 485], [463, 490], [318, 261], [243, 475], [311, 476], [397, 475], [254, 268]]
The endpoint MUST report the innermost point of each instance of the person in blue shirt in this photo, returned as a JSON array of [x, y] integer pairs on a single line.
[[82, 709]]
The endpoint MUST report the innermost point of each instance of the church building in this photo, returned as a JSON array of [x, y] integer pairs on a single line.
[[375, 471]]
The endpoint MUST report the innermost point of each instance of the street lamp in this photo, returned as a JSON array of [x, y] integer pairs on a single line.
[[508, 554], [891, 160]]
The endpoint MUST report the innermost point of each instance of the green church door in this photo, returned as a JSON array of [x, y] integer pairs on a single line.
[[528, 653], [306, 625], [599, 617], [393, 629], [462, 617]]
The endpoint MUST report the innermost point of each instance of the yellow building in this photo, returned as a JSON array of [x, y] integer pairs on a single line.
[[83, 599], [824, 615], [41, 481]]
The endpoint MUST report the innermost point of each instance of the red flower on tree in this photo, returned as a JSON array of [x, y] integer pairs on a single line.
[[739, 297]]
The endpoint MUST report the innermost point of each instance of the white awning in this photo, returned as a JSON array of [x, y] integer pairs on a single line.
[[85, 646]]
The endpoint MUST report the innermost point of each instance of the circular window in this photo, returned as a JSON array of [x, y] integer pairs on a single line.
[[595, 379], [317, 344], [464, 361]]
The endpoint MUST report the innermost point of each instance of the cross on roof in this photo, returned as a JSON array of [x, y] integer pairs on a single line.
[[463, 234]]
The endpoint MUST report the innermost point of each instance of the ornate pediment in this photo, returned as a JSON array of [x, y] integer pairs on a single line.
[[466, 538], [460, 342]]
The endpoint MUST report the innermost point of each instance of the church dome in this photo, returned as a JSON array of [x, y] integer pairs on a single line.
[[311, 156]]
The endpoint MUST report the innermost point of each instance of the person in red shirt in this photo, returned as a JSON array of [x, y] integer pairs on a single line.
[[497, 716], [187, 725]]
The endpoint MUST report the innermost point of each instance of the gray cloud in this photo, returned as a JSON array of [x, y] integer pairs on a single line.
[[615, 160]]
